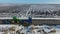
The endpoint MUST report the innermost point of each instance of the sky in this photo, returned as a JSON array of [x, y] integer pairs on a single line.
[[31, 1]]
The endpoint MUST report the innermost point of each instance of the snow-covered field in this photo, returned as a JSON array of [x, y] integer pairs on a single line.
[[32, 29]]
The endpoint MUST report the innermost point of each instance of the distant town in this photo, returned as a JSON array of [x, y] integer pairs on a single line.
[[33, 10]]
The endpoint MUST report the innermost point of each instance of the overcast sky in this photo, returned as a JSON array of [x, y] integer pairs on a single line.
[[31, 1]]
